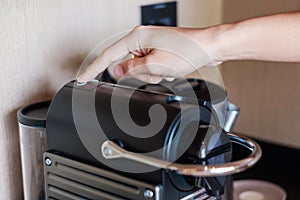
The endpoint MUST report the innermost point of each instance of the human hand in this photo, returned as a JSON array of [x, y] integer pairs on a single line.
[[159, 53]]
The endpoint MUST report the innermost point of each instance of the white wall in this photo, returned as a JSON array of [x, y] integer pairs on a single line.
[[42, 45]]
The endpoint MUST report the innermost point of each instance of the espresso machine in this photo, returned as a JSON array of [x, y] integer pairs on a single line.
[[137, 141]]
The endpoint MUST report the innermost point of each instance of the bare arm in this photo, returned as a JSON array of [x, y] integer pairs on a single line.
[[269, 38]]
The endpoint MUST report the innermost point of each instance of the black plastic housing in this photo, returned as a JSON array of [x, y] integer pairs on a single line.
[[77, 112]]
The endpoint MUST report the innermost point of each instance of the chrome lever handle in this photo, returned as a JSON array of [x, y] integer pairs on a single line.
[[111, 150]]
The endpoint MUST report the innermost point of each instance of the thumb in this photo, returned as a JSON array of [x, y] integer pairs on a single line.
[[141, 69], [131, 67]]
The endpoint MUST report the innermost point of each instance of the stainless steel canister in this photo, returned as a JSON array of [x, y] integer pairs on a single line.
[[32, 127]]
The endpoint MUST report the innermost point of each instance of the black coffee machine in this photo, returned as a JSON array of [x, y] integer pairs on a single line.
[[137, 141]]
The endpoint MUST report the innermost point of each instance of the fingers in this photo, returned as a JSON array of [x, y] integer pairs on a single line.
[[153, 79], [168, 58], [148, 78], [168, 78], [142, 69], [114, 52]]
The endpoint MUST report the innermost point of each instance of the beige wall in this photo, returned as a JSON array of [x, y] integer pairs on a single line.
[[42, 45], [267, 92]]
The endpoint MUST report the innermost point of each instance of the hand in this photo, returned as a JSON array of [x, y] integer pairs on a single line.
[[158, 53], [168, 52]]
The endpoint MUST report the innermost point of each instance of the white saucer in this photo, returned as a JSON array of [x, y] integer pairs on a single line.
[[257, 190]]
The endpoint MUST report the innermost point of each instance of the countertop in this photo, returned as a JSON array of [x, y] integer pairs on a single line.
[[280, 165]]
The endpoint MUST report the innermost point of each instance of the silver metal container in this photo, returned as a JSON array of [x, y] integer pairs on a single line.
[[32, 132]]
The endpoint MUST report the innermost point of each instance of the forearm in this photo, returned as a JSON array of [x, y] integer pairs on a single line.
[[270, 38]]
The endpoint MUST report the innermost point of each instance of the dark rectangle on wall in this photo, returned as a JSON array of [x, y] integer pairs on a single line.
[[162, 14]]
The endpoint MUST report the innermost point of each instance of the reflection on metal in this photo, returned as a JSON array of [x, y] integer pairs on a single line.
[[198, 195], [190, 169], [232, 112], [32, 146]]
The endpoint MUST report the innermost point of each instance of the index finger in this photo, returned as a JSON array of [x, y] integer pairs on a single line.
[[116, 51]]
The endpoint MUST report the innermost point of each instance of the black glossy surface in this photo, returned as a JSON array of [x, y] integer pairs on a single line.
[[280, 165], [34, 114], [161, 14]]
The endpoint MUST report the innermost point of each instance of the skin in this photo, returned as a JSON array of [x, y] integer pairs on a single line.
[[268, 38]]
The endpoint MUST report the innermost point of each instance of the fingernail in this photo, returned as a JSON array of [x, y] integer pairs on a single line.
[[81, 83], [118, 70], [79, 79]]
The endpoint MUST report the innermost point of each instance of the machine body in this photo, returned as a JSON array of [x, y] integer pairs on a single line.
[[165, 124]]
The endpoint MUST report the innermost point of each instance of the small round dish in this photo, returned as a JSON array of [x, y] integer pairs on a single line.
[[251, 189]]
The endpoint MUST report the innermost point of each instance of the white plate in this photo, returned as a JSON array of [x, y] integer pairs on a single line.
[[257, 190]]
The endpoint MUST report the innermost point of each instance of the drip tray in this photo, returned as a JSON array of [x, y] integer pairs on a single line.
[[71, 180]]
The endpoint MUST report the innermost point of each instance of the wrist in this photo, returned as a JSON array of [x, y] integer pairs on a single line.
[[216, 41], [220, 42]]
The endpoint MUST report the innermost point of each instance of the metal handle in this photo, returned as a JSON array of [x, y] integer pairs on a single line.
[[110, 150]]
